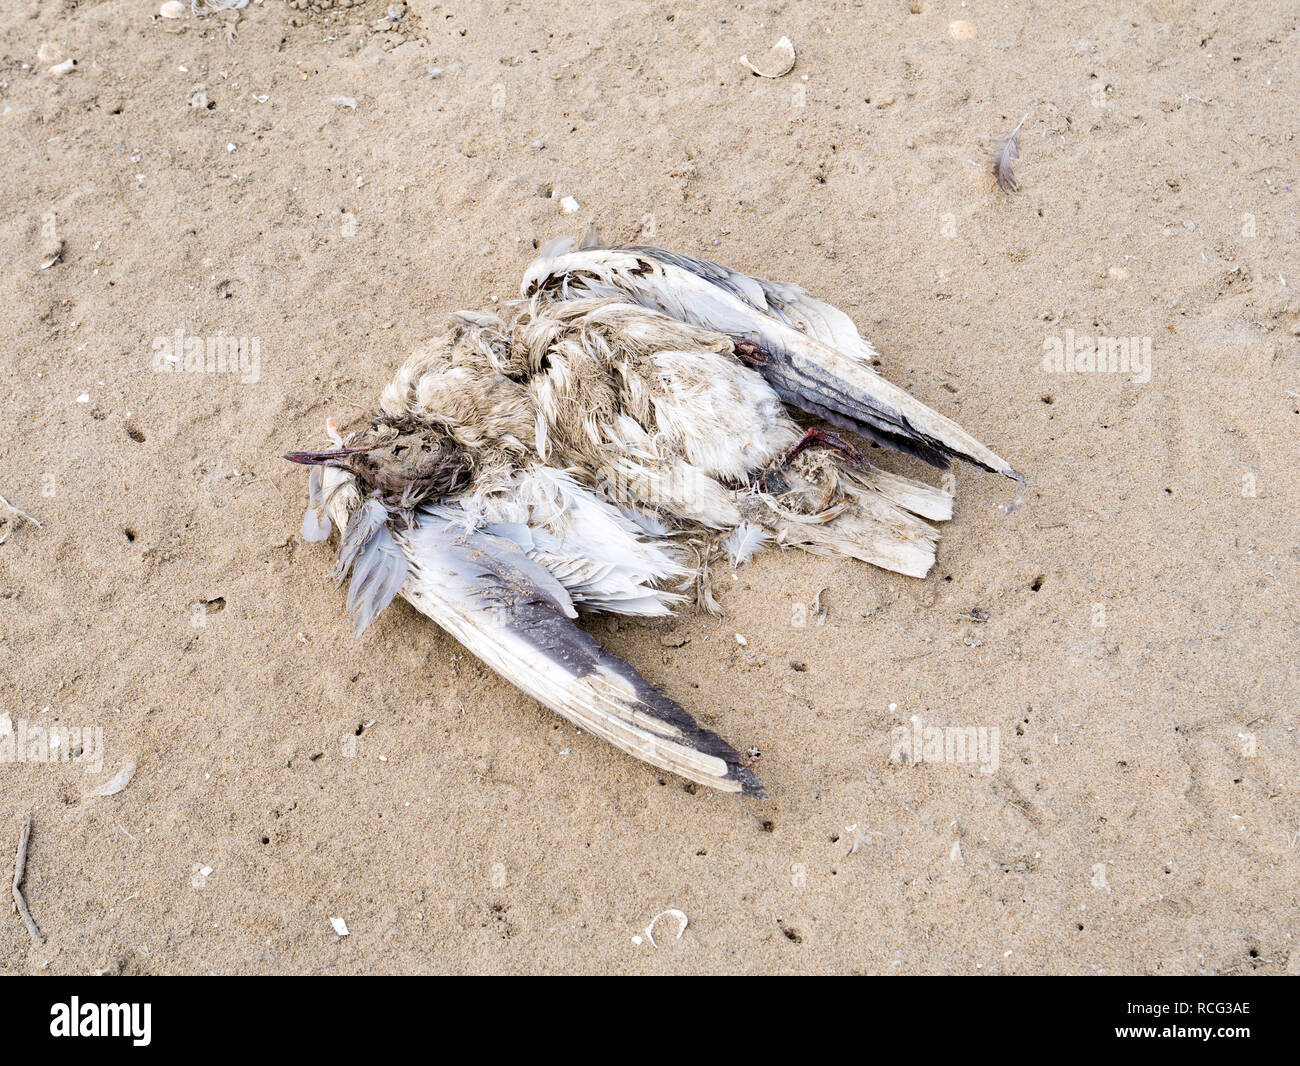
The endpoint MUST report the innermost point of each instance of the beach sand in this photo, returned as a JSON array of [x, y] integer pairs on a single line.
[[329, 183]]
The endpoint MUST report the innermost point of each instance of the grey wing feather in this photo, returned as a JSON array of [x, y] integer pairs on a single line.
[[801, 382], [742, 286], [377, 577], [782, 300], [443, 525], [378, 566], [815, 358], [487, 593]]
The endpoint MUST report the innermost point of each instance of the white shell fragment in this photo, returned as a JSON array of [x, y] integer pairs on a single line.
[[777, 63], [114, 784], [51, 253], [173, 9], [682, 920], [340, 926], [569, 205]]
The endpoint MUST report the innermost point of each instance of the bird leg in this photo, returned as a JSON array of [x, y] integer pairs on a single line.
[[749, 353], [820, 438], [772, 481]]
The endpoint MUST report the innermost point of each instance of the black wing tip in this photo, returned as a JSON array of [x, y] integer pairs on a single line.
[[750, 785], [666, 709]]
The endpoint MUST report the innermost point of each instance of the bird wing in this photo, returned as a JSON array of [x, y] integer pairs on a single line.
[[512, 613], [782, 300], [809, 352], [604, 560], [368, 549]]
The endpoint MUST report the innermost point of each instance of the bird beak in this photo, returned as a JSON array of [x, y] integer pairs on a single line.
[[330, 457]]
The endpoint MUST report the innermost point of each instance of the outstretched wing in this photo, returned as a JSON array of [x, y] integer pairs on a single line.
[[782, 300], [809, 352], [514, 615]]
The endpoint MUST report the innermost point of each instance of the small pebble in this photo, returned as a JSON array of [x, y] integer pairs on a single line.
[[570, 205], [961, 30], [340, 926], [173, 9]]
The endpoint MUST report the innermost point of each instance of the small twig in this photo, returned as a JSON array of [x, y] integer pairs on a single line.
[[11, 518], [20, 868]]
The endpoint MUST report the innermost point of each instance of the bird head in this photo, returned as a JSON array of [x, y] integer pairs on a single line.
[[402, 462]]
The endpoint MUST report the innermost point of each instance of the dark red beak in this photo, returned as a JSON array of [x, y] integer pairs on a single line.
[[330, 457]]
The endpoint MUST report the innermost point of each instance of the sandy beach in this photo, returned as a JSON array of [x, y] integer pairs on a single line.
[[317, 184]]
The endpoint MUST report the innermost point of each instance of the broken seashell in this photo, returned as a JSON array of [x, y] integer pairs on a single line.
[[114, 784], [51, 253], [779, 62], [682, 920], [173, 9]]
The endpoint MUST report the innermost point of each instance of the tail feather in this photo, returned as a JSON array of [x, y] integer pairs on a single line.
[[858, 534], [915, 496], [877, 517]]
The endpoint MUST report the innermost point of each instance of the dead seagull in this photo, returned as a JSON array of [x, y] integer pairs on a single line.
[[635, 406], [443, 498]]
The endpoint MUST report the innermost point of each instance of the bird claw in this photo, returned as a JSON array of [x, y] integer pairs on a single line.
[[820, 438], [749, 353], [771, 480]]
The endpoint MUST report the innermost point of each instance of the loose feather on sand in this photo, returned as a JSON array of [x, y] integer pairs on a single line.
[[1005, 153]]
